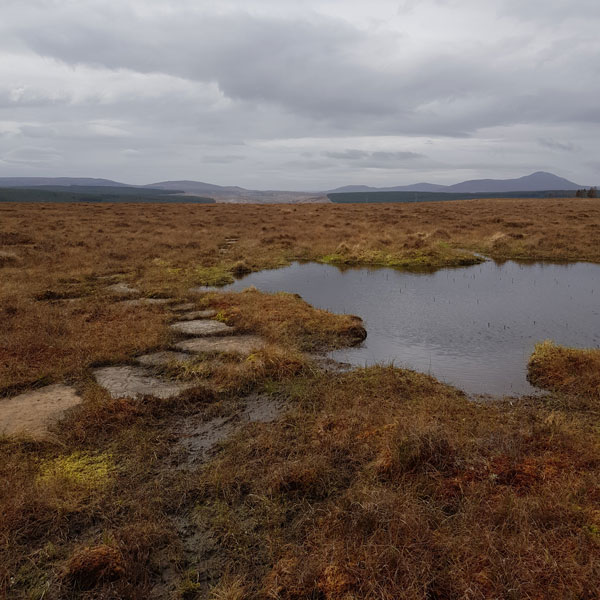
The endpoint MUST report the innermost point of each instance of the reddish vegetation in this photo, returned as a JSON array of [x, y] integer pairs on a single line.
[[89, 567]]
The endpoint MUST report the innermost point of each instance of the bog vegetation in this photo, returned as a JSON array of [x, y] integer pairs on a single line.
[[376, 483]]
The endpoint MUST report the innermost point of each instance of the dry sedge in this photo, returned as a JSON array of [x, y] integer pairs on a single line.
[[380, 483]]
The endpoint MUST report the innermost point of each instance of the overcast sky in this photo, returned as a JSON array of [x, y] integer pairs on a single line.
[[300, 94]]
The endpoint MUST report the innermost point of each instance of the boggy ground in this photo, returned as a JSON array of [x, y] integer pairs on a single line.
[[378, 483]]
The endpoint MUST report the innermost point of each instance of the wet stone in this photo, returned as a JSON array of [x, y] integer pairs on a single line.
[[33, 412], [133, 382], [161, 359], [123, 289], [202, 327], [197, 314], [185, 307], [235, 344], [148, 301]]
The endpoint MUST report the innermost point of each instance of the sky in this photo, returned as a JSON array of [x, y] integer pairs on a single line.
[[300, 94]]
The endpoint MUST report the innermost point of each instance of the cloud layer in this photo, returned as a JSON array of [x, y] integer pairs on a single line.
[[305, 95]]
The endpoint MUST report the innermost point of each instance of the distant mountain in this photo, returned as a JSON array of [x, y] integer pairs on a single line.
[[539, 181], [31, 182], [536, 182]]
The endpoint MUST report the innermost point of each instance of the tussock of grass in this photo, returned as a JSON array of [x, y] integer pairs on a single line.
[[567, 370], [427, 257], [286, 319], [386, 484]]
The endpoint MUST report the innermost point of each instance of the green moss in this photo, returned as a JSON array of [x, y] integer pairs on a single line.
[[81, 469], [433, 258]]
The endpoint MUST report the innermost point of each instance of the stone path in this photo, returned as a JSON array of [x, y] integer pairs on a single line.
[[134, 382], [197, 314], [161, 359], [123, 289], [32, 413], [236, 344], [202, 327]]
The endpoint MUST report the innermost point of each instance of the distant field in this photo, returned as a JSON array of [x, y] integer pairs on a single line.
[[376, 197], [96, 194]]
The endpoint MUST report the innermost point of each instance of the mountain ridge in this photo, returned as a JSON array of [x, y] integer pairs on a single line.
[[538, 181]]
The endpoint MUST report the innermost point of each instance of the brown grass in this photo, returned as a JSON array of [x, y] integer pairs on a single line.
[[65, 251], [381, 483], [568, 370], [387, 484]]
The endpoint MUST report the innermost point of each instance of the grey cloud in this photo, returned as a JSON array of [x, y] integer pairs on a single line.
[[377, 159], [289, 93], [557, 145]]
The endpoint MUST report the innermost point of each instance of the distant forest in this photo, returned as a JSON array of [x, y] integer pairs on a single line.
[[97, 194], [372, 197]]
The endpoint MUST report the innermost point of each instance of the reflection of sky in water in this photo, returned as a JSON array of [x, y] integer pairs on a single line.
[[472, 327]]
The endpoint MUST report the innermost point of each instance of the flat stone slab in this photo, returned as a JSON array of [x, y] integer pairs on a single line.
[[31, 413], [202, 327], [160, 359], [237, 344], [123, 289], [197, 314], [149, 301], [186, 306], [133, 382]]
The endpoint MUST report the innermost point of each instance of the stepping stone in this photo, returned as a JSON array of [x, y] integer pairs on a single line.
[[133, 382], [237, 344], [142, 301], [161, 359], [123, 289], [202, 327], [198, 314], [187, 306], [31, 413]]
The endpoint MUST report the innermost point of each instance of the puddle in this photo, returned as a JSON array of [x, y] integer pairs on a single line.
[[472, 327]]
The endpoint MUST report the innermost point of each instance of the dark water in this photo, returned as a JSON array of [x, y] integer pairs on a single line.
[[472, 327]]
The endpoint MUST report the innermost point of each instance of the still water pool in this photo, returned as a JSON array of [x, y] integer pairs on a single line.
[[473, 327]]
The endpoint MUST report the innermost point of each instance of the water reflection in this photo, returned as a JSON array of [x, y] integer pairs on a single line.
[[472, 327]]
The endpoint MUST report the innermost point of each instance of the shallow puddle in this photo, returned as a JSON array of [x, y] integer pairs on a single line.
[[473, 327]]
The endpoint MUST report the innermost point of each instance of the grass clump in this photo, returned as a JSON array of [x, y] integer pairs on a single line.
[[568, 370], [384, 483], [287, 320], [424, 256]]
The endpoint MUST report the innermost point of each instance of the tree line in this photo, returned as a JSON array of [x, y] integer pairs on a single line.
[[591, 193]]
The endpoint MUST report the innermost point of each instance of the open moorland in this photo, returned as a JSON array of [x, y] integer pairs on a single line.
[[241, 464]]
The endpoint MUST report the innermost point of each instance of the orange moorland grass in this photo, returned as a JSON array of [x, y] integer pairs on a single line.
[[573, 371], [61, 252], [381, 483], [384, 483]]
